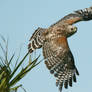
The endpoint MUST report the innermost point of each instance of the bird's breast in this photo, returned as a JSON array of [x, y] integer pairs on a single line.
[[62, 41]]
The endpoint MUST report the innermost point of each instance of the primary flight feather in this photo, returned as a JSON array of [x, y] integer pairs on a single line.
[[57, 54]]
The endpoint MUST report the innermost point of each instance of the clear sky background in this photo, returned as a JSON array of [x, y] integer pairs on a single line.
[[20, 18]]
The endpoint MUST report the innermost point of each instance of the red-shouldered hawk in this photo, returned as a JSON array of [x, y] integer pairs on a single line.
[[57, 54]]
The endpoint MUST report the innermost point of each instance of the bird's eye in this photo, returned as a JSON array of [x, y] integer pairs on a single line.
[[71, 28]]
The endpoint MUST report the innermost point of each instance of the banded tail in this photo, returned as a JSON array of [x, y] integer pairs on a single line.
[[36, 41]]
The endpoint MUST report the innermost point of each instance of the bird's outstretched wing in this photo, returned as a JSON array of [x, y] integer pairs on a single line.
[[79, 15], [36, 40], [59, 60]]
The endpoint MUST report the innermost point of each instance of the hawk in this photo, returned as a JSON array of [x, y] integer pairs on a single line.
[[57, 54]]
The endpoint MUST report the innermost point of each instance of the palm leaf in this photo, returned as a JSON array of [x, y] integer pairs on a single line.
[[10, 77]]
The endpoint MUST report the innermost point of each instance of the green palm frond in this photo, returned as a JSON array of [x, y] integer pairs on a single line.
[[10, 77]]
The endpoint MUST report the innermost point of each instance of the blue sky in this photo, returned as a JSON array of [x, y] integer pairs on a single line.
[[20, 18]]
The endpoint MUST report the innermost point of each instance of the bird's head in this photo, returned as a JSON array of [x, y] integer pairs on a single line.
[[71, 30]]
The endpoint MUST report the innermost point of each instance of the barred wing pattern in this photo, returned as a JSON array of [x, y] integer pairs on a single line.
[[79, 15], [59, 60], [58, 57], [36, 41]]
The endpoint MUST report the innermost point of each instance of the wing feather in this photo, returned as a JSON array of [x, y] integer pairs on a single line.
[[79, 15], [59, 60]]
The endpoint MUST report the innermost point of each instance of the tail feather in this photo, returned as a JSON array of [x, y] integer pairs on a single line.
[[36, 41]]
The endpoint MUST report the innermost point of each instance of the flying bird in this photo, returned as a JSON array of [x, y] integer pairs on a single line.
[[57, 54]]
